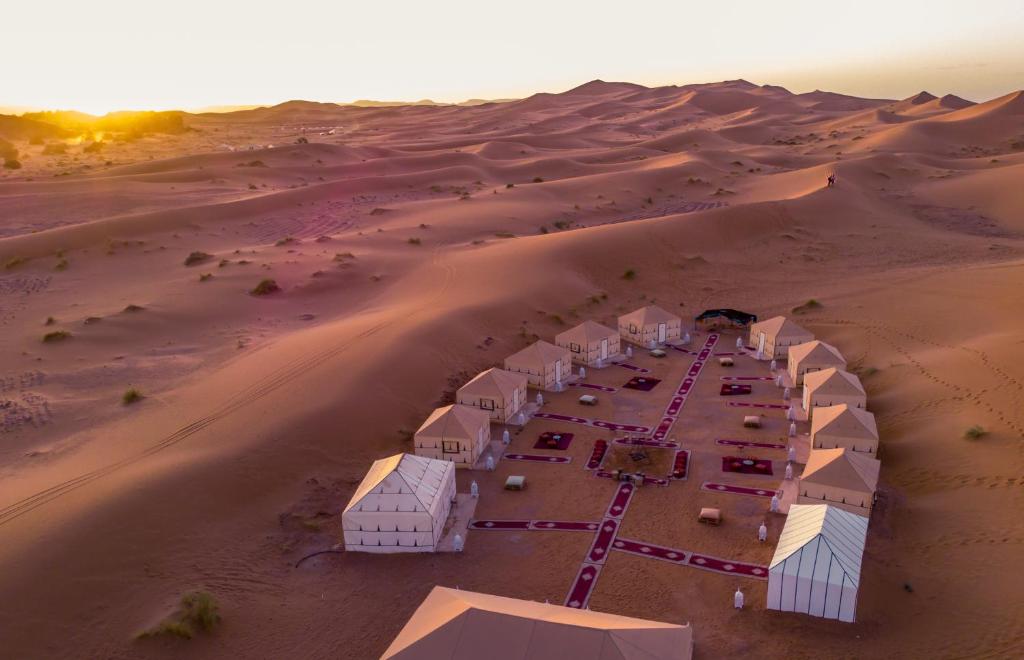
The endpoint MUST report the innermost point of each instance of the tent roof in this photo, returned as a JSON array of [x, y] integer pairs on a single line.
[[844, 420], [586, 332], [731, 314], [538, 355], [817, 351], [494, 381], [459, 625], [842, 468], [421, 476], [455, 421], [780, 326], [840, 532], [833, 381], [649, 315]]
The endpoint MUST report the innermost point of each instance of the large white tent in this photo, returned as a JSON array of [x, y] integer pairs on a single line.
[[816, 567], [771, 339], [465, 625], [400, 506]]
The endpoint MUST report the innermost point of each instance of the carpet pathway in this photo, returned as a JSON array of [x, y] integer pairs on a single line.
[[597, 423]]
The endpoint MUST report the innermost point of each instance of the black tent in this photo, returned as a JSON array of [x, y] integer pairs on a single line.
[[734, 315]]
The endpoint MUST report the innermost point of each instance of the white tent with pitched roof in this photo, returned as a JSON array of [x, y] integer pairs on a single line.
[[400, 506], [816, 567]]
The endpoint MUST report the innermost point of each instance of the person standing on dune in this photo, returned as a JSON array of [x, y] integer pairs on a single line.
[[831, 180]]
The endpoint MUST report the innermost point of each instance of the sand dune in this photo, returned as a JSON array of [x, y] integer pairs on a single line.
[[418, 245]]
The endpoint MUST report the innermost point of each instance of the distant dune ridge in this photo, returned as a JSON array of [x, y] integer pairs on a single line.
[[412, 246]]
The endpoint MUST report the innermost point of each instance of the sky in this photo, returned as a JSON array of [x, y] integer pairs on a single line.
[[102, 55]]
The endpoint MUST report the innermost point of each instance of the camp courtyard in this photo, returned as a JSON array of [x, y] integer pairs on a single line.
[[716, 455]]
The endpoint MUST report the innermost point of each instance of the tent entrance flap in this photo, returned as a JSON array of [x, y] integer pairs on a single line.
[[604, 349], [662, 328]]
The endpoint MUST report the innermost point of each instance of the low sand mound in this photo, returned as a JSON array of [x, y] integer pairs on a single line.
[[996, 192]]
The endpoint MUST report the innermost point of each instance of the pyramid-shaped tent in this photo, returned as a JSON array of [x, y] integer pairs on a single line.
[[840, 477], [772, 338], [650, 325], [544, 364], [844, 426], [454, 433], [817, 563], [589, 343], [501, 393], [464, 625], [812, 356], [831, 387]]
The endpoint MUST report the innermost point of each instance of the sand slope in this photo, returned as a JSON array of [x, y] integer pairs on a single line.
[[417, 245]]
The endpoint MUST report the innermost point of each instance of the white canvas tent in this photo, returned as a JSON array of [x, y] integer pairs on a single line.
[[400, 506], [544, 365], [812, 356], [464, 625], [454, 433], [831, 387], [772, 338], [816, 567], [589, 343], [844, 426], [501, 393], [650, 325]]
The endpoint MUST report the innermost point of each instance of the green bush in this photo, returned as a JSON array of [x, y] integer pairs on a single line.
[[975, 432], [197, 258], [131, 396], [265, 287], [629, 275], [55, 336]]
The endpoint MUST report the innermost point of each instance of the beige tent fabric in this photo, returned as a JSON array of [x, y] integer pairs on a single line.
[[400, 506], [831, 387], [844, 426], [465, 625], [499, 392], [840, 477], [812, 356], [650, 324], [589, 342], [544, 364], [779, 334], [454, 433]]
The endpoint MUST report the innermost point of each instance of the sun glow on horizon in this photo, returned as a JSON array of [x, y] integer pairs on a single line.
[[199, 54]]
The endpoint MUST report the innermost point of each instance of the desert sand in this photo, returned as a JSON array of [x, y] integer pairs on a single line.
[[417, 245]]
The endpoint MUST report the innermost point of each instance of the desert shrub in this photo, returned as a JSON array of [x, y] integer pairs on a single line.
[[134, 308], [302, 140], [12, 163], [14, 262], [265, 287], [61, 265], [504, 234], [131, 396], [203, 277], [50, 320], [198, 610], [543, 230], [630, 274], [253, 186], [287, 240], [975, 432], [55, 336], [807, 306], [197, 258], [537, 179], [510, 185], [252, 163], [415, 241], [560, 224]]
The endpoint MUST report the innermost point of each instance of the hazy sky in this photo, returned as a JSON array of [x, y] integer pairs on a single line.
[[104, 54]]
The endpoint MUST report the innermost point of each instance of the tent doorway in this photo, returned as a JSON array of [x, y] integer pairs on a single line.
[[604, 349], [761, 338], [662, 329], [558, 371]]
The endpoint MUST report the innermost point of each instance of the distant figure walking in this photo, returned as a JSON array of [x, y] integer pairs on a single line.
[[831, 179]]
